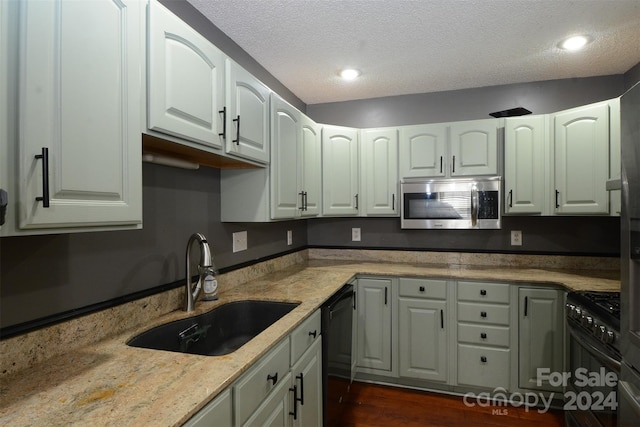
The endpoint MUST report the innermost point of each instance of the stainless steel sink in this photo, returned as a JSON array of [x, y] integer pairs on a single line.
[[220, 331]]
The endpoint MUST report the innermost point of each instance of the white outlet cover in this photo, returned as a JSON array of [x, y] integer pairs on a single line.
[[355, 235], [240, 241], [289, 237], [516, 238]]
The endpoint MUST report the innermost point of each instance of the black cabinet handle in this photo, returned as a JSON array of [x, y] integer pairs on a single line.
[[313, 334], [526, 306], [483, 336], [305, 201], [294, 389], [483, 292], [421, 288], [356, 202], [224, 122], [393, 202], [483, 359], [557, 195], [483, 314], [510, 198], [237, 140], [453, 167], [301, 378], [441, 319], [385, 295], [441, 164], [301, 200], [45, 177], [354, 300], [273, 378]]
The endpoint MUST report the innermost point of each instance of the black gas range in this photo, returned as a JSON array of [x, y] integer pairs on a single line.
[[593, 323]]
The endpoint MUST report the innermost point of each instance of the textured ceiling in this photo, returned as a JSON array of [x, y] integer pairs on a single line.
[[419, 46]]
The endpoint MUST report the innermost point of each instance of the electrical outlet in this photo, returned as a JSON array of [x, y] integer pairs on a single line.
[[240, 241], [289, 237], [355, 234], [516, 238]]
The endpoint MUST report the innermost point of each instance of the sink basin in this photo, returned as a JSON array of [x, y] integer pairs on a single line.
[[217, 332]]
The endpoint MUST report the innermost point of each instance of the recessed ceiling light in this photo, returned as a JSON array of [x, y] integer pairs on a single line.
[[574, 43], [349, 74]]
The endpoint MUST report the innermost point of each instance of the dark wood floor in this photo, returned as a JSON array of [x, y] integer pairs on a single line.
[[379, 406]]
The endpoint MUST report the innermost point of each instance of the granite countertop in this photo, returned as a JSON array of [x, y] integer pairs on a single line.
[[110, 383]]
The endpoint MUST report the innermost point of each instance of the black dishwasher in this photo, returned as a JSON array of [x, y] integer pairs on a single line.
[[337, 367]]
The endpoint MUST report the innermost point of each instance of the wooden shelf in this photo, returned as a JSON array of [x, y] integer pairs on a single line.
[[154, 145]]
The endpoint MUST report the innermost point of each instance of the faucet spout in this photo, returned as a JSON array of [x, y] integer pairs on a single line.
[[206, 261]]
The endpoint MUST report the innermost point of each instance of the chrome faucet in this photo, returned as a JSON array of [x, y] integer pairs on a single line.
[[205, 263]]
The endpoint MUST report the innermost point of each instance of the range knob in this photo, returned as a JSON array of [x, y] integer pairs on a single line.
[[577, 312], [609, 337], [586, 321], [601, 333], [595, 329]]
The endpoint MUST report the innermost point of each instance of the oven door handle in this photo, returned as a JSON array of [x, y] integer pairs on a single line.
[[594, 351]]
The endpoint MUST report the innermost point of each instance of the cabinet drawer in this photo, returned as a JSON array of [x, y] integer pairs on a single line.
[[256, 384], [304, 335], [485, 292], [423, 288], [484, 335], [483, 313], [483, 366]]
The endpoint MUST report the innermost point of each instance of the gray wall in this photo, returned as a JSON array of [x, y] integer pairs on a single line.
[[468, 104], [45, 275]]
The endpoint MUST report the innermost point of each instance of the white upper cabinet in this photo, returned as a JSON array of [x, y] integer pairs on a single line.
[[340, 189], [525, 164], [247, 132], [379, 168], [449, 149], [474, 147], [423, 151], [186, 80], [310, 157], [80, 98], [286, 135], [582, 160]]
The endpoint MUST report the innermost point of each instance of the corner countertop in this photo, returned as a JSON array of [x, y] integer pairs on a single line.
[[110, 383]]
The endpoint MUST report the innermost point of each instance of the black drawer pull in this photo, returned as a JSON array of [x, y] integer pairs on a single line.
[[237, 140], [421, 288], [313, 334], [483, 359], [273, 378], [294, 389], [224, 122], [483, 336], [483, 314], [483, 292]]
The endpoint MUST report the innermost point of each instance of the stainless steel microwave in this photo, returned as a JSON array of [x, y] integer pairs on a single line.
[[455, 203]]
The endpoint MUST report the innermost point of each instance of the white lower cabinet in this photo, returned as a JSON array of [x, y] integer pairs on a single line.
[[219, 412], [422, 310], [373, 309], [284, 388], [541, 335], [458, 336]]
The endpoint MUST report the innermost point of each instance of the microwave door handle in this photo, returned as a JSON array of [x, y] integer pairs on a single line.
[[474, 206]]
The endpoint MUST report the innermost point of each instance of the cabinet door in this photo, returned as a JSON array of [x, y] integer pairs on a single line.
[[339, 171], [285, 139], [247, 115], [307, 378], [474, 147], [423, 339], [275, 410], [186, 76], [379, 154], [310, 156], [374, 323], [422, 151], [525, 139], [582, 160], [541, 334], [80, 98], [217, 413]]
